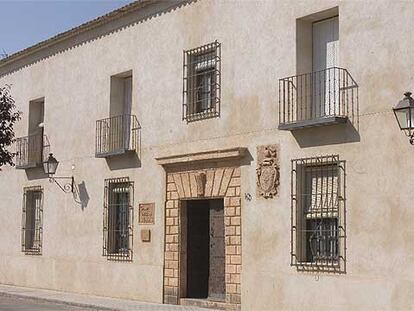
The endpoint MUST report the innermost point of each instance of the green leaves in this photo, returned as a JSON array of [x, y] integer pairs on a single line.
[[8, 117]]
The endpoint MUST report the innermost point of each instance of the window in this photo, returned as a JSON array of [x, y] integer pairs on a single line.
[[321, 92], [201, 98], [32, 220], [119, 124], [118, 219], [120, 133], [318, 213], [121, 94], [33, 149]]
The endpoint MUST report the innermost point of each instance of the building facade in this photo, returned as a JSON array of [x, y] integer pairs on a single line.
[[239, 155]]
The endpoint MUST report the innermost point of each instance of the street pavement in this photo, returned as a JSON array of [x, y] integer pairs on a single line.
[[14, 298], [25, 304]]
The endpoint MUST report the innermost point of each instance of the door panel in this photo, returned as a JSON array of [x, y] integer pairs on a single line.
[[205, 250], [127, 111], [216, 284], [325, 55], [325, 44], [197, 249]]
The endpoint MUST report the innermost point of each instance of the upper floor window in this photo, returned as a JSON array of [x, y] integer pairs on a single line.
[[321, 92], [121, 94], [119, 133], [118, 219], [33, 149], [318, 213], [32, 220], [201, 98]]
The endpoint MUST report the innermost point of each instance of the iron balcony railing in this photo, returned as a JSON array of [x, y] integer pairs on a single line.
[[318, 95], [31, 151], [117, 135]]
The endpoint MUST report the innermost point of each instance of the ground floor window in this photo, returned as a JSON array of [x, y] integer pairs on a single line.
[[32, 226], [318, 213], [118, 219]]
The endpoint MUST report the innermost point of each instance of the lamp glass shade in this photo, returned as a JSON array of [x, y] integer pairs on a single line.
[[405, 118], [404, 112], [50, 165]]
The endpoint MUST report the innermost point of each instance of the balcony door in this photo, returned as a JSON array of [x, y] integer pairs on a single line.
[[35, 138], [127, 106], [325, 77], [117, 130]]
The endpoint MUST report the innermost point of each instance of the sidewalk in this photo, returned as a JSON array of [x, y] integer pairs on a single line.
[[89, 301]]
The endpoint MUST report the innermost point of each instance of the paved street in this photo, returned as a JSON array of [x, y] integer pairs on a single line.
[[23, 304], [13, 298]]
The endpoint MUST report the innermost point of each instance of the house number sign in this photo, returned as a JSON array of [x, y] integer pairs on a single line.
[[146, 213]]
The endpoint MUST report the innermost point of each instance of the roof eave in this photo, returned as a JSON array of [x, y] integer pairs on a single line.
[[95, 23]]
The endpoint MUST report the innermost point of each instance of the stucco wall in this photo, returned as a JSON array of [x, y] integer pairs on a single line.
[[258, 47]]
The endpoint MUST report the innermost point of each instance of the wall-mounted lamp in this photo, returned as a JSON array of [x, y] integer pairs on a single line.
[[404, 112], [50, 167]]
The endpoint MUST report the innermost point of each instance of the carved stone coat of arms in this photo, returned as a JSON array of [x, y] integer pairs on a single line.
[[267, 171]]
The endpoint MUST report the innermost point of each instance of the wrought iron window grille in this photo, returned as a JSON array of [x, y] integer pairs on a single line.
[[318, 220], [117, 135], [202, 82], [32, 220], [322, 97], [118, 221]]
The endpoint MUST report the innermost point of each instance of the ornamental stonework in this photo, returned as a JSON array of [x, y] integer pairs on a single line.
[[221, 182], [201, 183], [267, 171]]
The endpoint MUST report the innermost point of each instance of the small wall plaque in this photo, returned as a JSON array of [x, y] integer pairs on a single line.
[[146, 213], [146, 235]]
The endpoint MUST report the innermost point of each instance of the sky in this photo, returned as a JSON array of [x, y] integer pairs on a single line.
[[24, 23]]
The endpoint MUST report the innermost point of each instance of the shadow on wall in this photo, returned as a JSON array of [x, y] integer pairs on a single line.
[[327, 135], [36, 173], [247, 159], [81, 195], [128, 160]]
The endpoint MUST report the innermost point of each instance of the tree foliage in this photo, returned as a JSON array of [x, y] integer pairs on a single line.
[[8, 117]]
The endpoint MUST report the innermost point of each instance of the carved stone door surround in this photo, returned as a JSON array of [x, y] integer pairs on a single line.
[[204, 175]]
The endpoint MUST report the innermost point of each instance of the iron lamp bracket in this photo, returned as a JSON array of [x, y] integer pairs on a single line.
[[67, 187], [411, 138]]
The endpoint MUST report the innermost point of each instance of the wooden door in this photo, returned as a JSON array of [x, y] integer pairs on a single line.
[[324, 61]]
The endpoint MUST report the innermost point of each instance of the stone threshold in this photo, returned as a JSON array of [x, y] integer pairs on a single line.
[[208, 303]]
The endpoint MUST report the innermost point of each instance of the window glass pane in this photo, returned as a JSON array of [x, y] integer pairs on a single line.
[[322, 239], [118, 221], [204, 91], [320, 199], [32, 220], [321, 189]]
